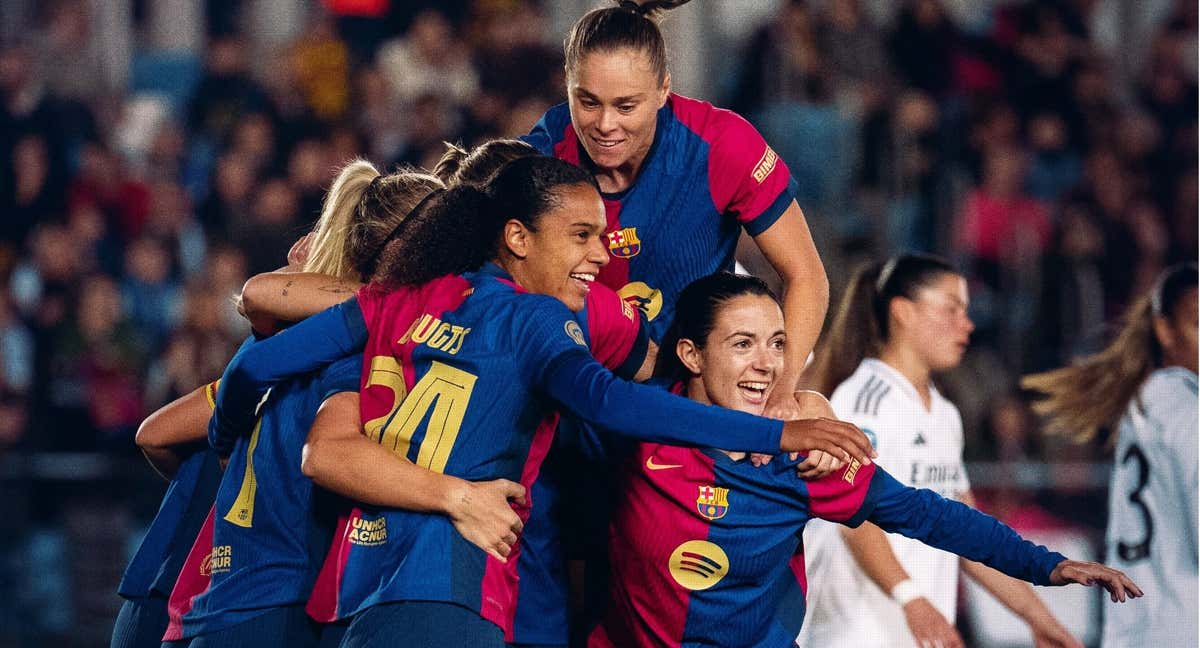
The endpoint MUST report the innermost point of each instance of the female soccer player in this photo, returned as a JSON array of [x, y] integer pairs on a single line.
[[898, 323], [1143, 387], [461, 364], [705, 545], [680, 179], [172, 440], [251, 572]]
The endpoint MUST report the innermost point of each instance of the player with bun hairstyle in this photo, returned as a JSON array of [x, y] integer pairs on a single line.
[[705, 544], [473, 305], [680, 178], [898, 323], [1141, 389]]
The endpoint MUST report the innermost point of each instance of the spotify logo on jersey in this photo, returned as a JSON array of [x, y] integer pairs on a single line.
[[698, 564]]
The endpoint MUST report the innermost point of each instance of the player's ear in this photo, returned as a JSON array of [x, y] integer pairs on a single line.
[[1164, 332], [689, 355], [900, 311], [665, 90], [516, 238]]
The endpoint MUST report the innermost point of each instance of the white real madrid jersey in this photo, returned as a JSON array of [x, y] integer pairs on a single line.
[[1152, 515], [920, 447]]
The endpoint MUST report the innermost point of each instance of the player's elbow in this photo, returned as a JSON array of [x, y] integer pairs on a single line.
[[253, 305], [315, 461], [153, 434]]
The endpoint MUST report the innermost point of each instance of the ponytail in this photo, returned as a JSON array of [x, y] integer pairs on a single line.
[[361, 209], [861, 327], [480, 164], [629, 24], [853, 335], [450, 232], [1089, 397], [327, 251]]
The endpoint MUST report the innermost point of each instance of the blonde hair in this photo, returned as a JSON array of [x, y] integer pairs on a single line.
[[1089, 396], [360, 212]]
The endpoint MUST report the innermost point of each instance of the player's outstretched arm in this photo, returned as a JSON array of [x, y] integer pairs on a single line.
[[338, 457], [175, 430], [955, 527], [273, 299], [593, 393]]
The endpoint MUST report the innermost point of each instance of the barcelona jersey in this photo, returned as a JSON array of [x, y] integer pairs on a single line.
[[157, 562], [708, 174], [270, 528], [705, 550]]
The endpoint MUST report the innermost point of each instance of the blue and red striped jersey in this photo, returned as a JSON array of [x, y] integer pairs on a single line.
[[270, 528], [706, 550], [708, 174], [190, 494]]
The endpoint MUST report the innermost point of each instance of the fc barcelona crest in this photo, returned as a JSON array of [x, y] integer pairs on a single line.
[[624, 243], [713, 502]]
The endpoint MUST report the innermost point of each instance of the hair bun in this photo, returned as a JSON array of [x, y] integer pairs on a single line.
[[630, 5]]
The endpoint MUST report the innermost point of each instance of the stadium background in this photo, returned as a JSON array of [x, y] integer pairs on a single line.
[[155, 153]]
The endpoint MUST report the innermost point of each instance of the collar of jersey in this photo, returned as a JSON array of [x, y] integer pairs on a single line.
[[897, 378], [494, 271], [663, 120]]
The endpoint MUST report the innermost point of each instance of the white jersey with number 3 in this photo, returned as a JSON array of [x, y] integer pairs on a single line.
[[920, 447], [1152, 515]]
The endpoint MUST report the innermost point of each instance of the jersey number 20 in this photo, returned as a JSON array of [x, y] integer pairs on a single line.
[[444, 389]]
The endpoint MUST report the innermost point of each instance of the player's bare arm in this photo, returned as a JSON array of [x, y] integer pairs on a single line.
[[339, 457], [168, 435]]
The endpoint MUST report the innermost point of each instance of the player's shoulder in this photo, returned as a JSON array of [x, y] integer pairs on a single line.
[[556, 122], [707, 120], [1169, 398], [871, 391]]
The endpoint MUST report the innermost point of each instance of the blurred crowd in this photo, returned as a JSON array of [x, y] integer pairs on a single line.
[[1058, 168]]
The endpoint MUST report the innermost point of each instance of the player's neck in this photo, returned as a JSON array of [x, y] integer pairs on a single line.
[[618, 179], [909, 364]]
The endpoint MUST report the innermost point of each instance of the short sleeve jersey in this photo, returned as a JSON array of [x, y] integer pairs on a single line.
[[449, 377], [920, 448], [1152, 513], [265, 537], [190, 494], [708, 174]]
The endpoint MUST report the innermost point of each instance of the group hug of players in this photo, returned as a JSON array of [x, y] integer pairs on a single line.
[[387, 459]]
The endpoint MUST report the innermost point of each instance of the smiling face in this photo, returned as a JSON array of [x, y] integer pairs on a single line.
[[614, 97], [562, 257], [742, 357], [937, 326]]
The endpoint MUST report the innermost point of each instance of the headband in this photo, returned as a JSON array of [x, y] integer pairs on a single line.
[[885, 274]]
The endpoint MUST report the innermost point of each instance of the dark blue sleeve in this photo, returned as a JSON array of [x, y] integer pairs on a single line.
[[637, 354], [593, 393], [303, 348], [345, 375], [548, 130], [952, 526]]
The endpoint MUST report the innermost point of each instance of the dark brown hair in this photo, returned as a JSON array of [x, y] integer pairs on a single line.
[[629, 24]]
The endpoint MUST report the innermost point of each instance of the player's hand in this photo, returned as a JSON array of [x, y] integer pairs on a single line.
[[783, 406], [482, 513], [838, 438], [817, 464], [297, 256], [929, 627], [1119, 585]]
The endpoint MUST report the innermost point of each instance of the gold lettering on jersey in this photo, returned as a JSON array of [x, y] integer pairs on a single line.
[[851, 471], [766, 164], [436, 334], [218, 561], [369, 533], [698, 564]]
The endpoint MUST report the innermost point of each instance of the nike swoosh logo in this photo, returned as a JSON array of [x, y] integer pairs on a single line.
[[655, 466]]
